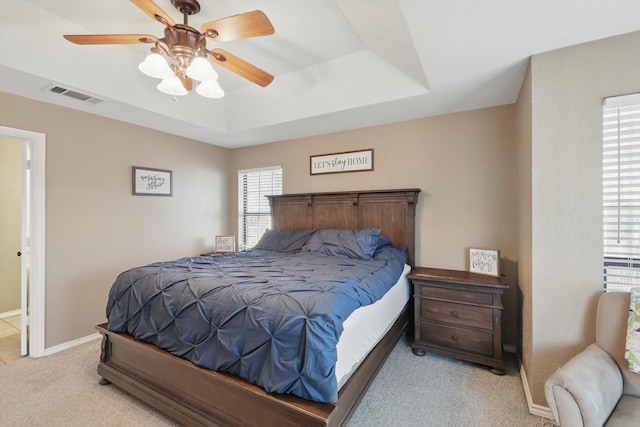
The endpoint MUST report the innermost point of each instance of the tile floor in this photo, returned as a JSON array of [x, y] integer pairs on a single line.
[[9, 339]]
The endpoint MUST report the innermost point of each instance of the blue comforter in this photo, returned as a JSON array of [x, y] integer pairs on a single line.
[[273, 319]]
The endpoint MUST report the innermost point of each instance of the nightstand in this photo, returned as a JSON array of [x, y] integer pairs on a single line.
[[458, 314]]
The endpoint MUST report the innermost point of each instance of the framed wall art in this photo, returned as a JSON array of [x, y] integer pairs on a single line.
[[225, 243], [152, 182], [484, 261], [348, 161]]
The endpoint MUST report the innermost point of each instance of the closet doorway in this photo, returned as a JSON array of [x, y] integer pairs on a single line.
[[30, 250]]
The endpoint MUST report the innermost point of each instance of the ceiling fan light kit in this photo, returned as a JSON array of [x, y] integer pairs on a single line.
[[200, 69], [186, 48], [172, 86], [156, 66], [210, 89]]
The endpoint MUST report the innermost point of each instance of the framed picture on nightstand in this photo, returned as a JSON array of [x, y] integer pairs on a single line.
[[225, 243], [484, 261]]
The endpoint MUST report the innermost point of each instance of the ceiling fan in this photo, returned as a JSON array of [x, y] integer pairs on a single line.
[[186, 48]]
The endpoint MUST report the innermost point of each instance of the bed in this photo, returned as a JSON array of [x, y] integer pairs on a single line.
[[198, 396]]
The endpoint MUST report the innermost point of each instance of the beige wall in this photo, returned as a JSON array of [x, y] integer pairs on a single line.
[[524, 140], [10, 223], [95, 228], [464, 163], [561, 207]]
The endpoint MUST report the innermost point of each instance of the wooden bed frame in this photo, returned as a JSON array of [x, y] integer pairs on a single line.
[[196, 396]]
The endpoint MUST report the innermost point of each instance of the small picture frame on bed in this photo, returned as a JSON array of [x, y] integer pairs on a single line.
[[225, 243], [484, 261], [151, 182]]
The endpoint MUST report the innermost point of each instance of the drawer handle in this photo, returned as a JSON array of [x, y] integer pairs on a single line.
[[454, 337], [455, 314]]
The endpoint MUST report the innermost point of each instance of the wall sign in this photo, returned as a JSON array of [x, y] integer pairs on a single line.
[[349, 161], [152, 182], [484, 261]]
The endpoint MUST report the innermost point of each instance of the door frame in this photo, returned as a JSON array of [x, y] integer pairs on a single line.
[[33, 290]]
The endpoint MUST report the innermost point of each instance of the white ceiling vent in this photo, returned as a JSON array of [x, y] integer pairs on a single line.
[[80, 96]]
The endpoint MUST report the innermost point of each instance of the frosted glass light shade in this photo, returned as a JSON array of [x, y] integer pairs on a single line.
[[172, 86], [210, 89], [200, 69], [154, 65]]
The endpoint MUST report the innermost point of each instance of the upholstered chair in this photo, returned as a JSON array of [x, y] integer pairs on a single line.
[[596, 388]]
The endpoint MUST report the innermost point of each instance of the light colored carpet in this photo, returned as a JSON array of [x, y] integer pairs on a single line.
[[434, 390], [63, 390]]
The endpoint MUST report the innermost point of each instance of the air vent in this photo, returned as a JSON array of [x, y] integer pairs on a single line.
[[84, 97]]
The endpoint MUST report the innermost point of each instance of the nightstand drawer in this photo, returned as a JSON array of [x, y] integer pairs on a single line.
[[458, 338], [456, 295], [457, 314]]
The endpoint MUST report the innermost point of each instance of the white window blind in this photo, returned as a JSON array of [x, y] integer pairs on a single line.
[[254, 213], [621, 191]]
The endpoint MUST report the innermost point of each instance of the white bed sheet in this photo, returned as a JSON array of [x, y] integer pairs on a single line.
[[364, 328]]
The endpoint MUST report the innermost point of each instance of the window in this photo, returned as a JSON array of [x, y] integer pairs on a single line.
[[621, 191], [254, 212]]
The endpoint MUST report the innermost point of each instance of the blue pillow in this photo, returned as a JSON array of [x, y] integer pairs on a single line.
[[283, 240], [359, 244]]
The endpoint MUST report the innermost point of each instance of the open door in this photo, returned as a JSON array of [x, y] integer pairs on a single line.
[[25, 249], [32, 244], [11, 194]]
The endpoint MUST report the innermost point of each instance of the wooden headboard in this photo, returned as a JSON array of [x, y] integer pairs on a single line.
[[392, 211]]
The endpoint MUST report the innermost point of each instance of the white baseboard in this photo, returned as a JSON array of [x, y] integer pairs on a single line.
[[534, 409], [10, 313], [67, 345]]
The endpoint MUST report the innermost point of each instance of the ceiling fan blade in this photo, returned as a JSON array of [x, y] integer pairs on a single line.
[[241, 67], [245, 25], [154, 11], [110, 38]]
